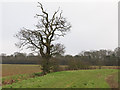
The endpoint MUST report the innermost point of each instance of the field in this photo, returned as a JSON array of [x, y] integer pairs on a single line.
[[27, 76], [70, 79], [13, 69]]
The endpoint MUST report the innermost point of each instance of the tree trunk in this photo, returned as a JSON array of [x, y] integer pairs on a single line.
[[46, 65]]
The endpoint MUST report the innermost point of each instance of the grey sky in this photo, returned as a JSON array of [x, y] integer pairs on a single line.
[[94, 24]]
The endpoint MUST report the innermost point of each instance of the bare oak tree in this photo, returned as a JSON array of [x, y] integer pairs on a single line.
[[47, 30]]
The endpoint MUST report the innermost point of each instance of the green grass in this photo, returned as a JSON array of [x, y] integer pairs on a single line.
[[20, 77], [68, 79], [0, 82]]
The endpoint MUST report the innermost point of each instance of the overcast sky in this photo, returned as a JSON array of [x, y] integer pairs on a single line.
[[94, 24]]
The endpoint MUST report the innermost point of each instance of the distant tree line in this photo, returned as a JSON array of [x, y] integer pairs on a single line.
[[99, 58]]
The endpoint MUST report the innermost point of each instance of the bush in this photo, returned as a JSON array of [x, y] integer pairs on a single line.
[[54, 65], [76, 65]]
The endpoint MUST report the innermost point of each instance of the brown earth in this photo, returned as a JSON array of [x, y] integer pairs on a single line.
[[111, 80], [14, 69]]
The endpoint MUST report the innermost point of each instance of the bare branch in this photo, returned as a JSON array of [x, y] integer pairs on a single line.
[[48, 30]]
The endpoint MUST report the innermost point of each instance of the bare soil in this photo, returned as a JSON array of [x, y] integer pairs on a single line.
[[111, 80], [14, 69]]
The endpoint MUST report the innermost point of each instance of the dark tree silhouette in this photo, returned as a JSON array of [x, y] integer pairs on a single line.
[[47, 30]]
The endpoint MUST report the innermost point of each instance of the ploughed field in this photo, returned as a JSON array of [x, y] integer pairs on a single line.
[[29, 77], [13, 69]]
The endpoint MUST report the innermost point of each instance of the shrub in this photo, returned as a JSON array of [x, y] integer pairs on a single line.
[[76, 65], [54, 65]]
